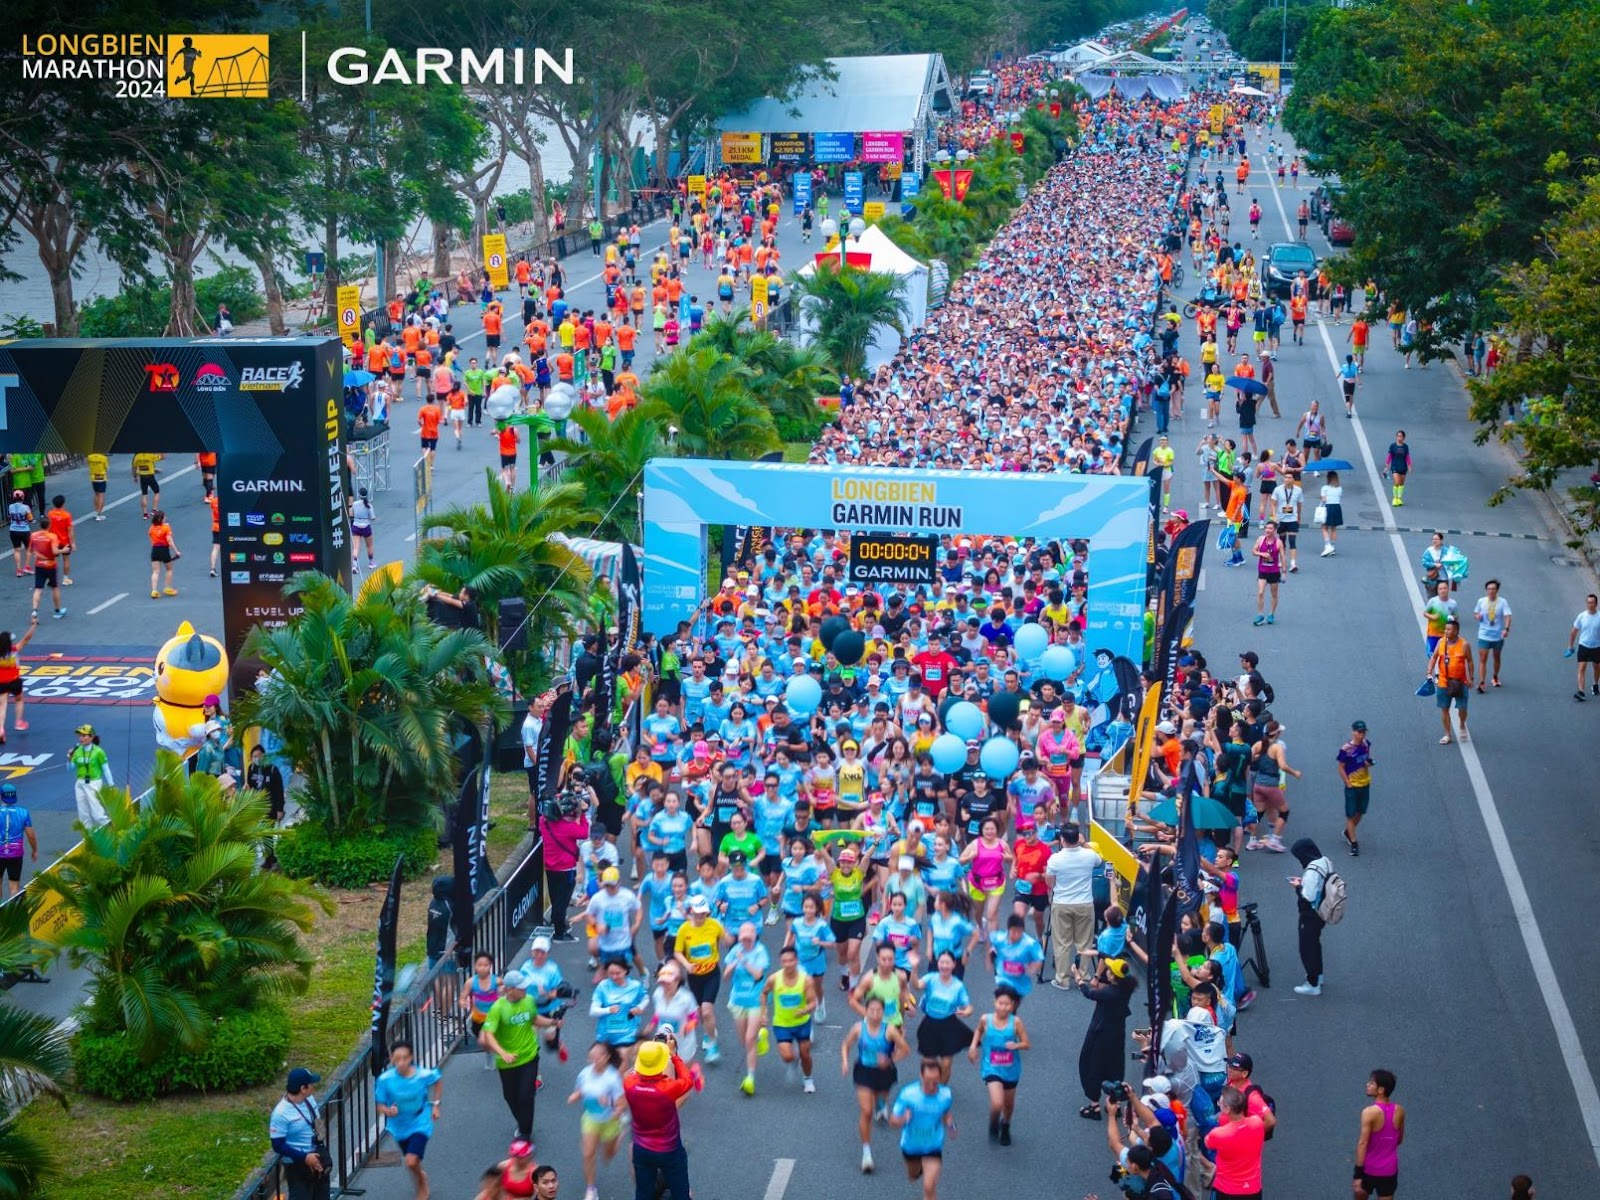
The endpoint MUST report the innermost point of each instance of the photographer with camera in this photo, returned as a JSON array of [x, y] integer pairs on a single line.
[[1141, 1168], [563, 824], [655, 1090]]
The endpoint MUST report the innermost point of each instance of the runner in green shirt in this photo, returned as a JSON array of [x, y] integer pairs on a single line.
[[476, 381], [511, 1034]]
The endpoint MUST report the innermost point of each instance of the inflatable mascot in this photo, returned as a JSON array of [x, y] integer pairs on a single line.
[[189, 668]]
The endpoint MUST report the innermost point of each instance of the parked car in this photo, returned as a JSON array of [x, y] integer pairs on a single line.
[[1340, 232], [1285, 260]]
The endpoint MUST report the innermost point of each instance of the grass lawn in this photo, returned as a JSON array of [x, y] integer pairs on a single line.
[[206, 1146], [796, 452]]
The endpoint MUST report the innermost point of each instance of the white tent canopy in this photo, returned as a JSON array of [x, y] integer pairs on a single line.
[[887, 258]]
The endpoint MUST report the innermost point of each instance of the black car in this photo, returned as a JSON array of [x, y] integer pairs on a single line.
[[1285, 260]]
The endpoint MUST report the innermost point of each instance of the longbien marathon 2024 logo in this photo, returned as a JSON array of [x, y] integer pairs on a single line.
[[214, 66]]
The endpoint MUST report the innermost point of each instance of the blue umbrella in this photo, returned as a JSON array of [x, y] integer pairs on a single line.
[[1252, 387], [358, 378], [1329, 464], [1208, 813]]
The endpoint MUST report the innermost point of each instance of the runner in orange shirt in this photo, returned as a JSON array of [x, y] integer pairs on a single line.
[[456, 407], [61, 526], [207, 462], [636, 301], [428, 418], [411, 338], [216, 534], [493, 324], [564, 365], [582, 336], [508, 456], [1357, 337], [524, 274], [424, 371], [627, 335], [536, 335]]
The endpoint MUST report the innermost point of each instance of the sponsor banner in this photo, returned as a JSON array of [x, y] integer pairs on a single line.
[[883, 147], [496, 261], [910, 189], [833, 147], [879, 558], [697, 187], [383, 976], [855, 189], [742, 148], [873, 211], [802, 193], [349, 301], [789, 147]]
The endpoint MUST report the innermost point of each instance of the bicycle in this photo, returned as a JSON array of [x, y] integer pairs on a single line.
[[1257, 962]]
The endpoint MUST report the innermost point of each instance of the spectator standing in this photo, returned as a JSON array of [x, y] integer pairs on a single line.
[[91, 771], [655, 1089], [1070, 873], [1237, 1143], [298, 1137], [1585, 639], [1309, 886]]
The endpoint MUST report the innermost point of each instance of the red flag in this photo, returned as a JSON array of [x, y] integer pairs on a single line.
[[1018, 140], [852, 258], [961, 180], [1055, 108]]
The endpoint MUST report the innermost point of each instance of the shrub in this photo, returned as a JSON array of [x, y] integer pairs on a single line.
[[306, 851], [241, 1051], [801, 429], [237, 287]]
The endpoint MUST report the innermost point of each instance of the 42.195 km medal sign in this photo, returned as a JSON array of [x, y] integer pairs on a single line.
[[886, 558]]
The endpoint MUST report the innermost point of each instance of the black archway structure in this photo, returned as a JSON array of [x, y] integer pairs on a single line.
[[269, 407]]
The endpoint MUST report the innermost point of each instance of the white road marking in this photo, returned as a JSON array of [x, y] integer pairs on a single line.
[[1200, 584], [1555, 1001], [99, 608], [782, 1170], [135, 495]]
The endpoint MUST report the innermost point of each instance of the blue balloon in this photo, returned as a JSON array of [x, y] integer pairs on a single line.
[[948, 753], [803, 694], [998, 758], [1058, 662], [965, 720], [1031, 641]]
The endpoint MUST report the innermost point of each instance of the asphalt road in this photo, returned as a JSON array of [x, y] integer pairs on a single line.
[[1465, 964]]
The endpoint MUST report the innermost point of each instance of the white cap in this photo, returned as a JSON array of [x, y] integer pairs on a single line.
[[541, 943], [1167, 727], [907, 863], [699, 904]]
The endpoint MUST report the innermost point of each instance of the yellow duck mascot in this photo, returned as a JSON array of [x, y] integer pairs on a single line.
[[189, 668]]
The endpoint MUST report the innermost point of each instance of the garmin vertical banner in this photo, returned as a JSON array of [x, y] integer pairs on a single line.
[[269, 407], [383, 976]]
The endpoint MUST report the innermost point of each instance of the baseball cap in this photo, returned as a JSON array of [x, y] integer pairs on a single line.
[[906, 862], [1251, 657], [1167, 727], [737, 857], [699, 904], [541, 943], [300, 1077], [1029, 762], [1158, 1085], [972, 743], [1242, 1062], [652, 1059], [611, 875], [514, 979], [8, 792], [84, 731], [1358, 726]]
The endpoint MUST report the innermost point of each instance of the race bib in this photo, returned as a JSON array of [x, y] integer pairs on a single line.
[[1002, 1058], [1012, 967], [849, 910], [700, 951], [789, 1000]]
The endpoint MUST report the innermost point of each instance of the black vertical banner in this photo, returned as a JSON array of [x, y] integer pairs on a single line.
[[1157, 477], [1150, 904], [1186, 860], [383, 976], [630, 588], [1180, 578], [1141, 457], [465, 856], [553, 742], [605, 684], [1169, 640], [1160, 986]]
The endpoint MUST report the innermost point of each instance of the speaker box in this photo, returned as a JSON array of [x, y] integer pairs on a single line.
[[513, 631]]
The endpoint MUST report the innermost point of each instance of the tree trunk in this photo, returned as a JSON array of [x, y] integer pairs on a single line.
[[606, 181], [658, 171], [272, 292], [480, 220], [61, 241], [540, 212], [184, 319], [391, 271], [582, 164], [441, 250], [331, 278]]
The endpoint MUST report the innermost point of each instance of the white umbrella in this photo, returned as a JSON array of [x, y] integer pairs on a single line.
[[1245, 90]]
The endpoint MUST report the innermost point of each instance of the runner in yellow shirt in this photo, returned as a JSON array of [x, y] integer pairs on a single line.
[[99, 472], [698, 946]]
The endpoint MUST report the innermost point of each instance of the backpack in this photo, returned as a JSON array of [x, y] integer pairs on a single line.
[[1334, 894], [1265, 1099]]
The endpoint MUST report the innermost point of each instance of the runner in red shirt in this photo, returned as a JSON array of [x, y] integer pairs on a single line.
[[935, 664]]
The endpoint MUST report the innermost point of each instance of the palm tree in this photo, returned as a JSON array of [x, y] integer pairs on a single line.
[[608, 462], [847, 307], [504, 549], [365, 694], [706, 397], [35, 1054], [785, 377], [168, 911]]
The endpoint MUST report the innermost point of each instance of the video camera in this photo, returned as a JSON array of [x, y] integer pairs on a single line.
[[567, 804]]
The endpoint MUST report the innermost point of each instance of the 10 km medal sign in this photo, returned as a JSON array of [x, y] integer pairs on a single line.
[[882, 558]]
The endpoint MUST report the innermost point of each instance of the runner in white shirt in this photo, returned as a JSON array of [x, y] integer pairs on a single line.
[[1585, 639], [1494, 626]]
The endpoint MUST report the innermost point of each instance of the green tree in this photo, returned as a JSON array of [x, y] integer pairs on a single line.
[[506, 548], [170, 915], [847, 307], [1446, 124], [365, 694], [785, 377], [608, 462], [705, 398], [35, 1055], [1550, 384]]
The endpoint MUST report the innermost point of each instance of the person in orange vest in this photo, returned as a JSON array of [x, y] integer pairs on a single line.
[[1297, 317], [1451, 670], [1242, 173]]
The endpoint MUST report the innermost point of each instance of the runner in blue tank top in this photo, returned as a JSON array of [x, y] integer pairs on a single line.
[[999, 1042]]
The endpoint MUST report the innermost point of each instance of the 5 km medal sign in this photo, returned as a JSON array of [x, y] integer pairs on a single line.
[[879, 558]]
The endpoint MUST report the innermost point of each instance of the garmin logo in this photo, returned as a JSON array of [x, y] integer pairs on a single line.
[[349, 66], [269, 485]]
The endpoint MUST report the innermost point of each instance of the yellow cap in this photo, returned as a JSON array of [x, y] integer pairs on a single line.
[[1117, 966], [653, 1058]]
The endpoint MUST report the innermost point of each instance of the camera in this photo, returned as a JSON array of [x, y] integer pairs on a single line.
[[1116, 1090]]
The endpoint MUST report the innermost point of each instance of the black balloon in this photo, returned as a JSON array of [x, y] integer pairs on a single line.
[[848, 647], [1004, 708], [832, 628]]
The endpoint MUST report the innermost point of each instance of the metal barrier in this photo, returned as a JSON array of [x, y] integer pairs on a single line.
[[427, 1017]]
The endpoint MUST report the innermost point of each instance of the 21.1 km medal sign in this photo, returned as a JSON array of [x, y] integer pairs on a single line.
[[884, 558]]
